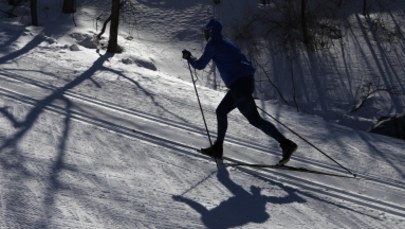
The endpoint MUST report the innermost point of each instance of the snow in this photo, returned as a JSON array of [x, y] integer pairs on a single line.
[[94, 140]]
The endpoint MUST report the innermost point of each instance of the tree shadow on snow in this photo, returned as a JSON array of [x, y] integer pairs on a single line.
[[34, 42], [149, 94], [242, 208], [12, 158]]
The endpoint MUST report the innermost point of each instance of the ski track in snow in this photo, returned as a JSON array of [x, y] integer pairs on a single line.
[[184, 127], [308, 185]]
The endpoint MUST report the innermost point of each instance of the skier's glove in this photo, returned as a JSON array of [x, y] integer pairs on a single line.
[[186, 54]]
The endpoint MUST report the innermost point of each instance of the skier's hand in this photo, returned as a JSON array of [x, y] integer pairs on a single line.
[[186, 54]]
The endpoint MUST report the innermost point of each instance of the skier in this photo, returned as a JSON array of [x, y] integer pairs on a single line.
[[238, 75]]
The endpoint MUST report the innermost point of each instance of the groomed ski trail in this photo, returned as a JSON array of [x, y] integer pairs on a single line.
[[290, 178]]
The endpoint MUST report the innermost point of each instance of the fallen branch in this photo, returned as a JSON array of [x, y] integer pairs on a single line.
[[368, 90]]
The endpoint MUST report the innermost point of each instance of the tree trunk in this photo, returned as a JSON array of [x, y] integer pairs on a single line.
[[69, 6], [115, 16], [304, 22], [365, 13], [34, 13]]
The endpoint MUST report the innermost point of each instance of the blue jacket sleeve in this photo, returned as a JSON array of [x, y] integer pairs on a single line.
[[202, 62]]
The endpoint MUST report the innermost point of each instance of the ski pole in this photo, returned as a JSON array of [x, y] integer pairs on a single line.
[[199, 102], [311, 144]]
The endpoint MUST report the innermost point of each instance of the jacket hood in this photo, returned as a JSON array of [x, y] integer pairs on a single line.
[[215, 27]]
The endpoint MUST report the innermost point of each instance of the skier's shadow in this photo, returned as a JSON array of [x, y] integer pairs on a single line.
[[242, 208]]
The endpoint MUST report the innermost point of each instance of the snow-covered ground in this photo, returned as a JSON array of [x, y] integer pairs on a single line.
[[94, 140]]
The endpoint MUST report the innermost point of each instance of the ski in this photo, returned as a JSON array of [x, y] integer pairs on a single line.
[[230, 162], [284, 167]]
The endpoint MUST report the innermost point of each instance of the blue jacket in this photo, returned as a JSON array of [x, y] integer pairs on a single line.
[[230, 61]]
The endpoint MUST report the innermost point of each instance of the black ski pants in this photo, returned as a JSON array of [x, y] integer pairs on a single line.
[[240, 96]]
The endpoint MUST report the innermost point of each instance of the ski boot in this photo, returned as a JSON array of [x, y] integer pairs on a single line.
[[288, 147], [215, 151]]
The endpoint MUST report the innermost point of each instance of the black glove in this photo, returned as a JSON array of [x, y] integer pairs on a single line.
[[186, 54]]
